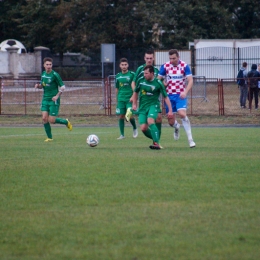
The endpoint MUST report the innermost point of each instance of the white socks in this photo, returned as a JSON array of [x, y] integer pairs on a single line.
[[176, 124], [187, 127]]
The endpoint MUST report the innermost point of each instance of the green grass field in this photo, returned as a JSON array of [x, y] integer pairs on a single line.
[[121, 200]]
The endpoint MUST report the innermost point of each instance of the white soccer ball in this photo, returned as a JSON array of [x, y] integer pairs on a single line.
[[92, 140]]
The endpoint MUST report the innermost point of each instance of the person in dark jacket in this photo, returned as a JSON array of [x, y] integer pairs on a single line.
[[243, 87], [253, 77]]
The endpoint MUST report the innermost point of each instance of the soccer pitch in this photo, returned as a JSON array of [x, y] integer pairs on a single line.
[[122, 200]]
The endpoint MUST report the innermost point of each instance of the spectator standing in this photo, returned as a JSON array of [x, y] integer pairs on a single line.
[[258, 68], [242, 84], [253, 78]]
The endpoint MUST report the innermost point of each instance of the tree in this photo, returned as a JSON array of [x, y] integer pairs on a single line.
[[8, 27], [82, 25], [246, 18]]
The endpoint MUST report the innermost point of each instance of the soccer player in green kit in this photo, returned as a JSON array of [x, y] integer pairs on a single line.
[[53, 86], [149, 60], [149, 89], [124, 92]]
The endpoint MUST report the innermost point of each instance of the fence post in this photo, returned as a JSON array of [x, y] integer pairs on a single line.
[[191, 101], [238, 58], [193, 64], [107, 96], [220, 98], [25, 99], [1, 86]]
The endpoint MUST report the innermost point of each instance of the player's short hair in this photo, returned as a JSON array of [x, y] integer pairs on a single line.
[[244, 64], [123, 60], [150, 68], [149, 52], [174, 51], [47, 59]]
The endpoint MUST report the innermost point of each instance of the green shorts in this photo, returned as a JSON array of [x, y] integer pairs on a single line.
[[159, 108], [122, 107], [51, 107], [151, 112]]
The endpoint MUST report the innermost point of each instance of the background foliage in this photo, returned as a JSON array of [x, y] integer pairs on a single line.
[[82, 25]]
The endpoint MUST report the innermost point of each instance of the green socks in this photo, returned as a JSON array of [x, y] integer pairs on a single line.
[[155, 133], [148, 133], [132, 121], [159, 127], [122, 126], [47, 128], [61, 121]]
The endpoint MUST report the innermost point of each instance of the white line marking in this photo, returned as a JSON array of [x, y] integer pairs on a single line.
[[29, 135]]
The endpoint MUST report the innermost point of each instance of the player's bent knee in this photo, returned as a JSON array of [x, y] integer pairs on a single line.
[[182, 113], [52, 120], [45, 120], [143, 127], [171, 120]]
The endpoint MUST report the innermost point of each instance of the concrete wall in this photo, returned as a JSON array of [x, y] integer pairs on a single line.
[[15, 65]]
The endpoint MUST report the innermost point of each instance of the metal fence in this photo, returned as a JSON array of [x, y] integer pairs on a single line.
[[210, 62], [80, 97], [223, 62], [199, 92], [209, 96]]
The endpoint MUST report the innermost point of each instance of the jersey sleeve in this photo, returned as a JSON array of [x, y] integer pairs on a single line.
[[162, 71], [58, 79], [132, 76], [137, 74], [117, 82], [188, 71], [41, 78], [162, 88], [137, 86]]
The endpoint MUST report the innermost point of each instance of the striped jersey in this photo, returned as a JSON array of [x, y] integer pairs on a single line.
[[175, 76]]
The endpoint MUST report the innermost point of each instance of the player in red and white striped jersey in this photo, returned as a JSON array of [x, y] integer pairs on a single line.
[[175, 73]]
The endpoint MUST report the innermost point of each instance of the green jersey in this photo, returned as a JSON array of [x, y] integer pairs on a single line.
[[149, 92], [50, 83], [123, 84], [140, 72]]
